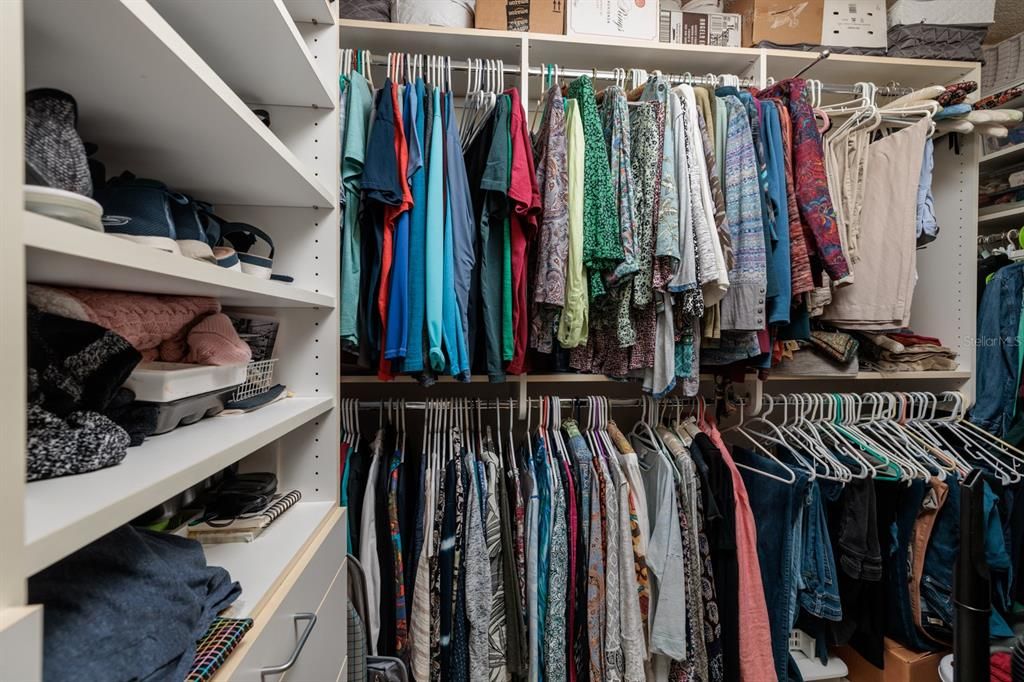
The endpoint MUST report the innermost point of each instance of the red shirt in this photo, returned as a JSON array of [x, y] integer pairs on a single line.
[[524, 196], [391, 214]]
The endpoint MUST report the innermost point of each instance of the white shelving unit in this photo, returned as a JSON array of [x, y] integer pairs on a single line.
[[166, 90]]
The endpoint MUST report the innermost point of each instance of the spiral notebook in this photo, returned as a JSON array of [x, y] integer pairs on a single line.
[[245, 528]]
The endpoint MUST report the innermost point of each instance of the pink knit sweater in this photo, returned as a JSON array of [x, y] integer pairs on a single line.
[[160, 327]]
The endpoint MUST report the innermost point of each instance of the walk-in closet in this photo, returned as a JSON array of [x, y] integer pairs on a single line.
[[497, 340]]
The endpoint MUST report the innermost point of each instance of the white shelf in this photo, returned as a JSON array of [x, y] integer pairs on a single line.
[[875, 376], [851, 68], [380, 38], [64, 254], [1003, 158], [585, 52], [64, 514], [156, 108], [312, 11], [570, 378], [258, 565], [1002, 216], [254, 46], [582, 52]]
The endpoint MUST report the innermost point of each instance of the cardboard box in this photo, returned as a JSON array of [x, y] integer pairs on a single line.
[[854, 23], [786, 22], [536, 16], [901, 665], [839, 23], [630, 19], [693, 28]]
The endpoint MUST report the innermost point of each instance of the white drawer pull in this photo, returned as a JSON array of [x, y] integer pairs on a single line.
[[287, 665]]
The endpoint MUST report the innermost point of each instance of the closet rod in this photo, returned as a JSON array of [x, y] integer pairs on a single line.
[[489, 404], [596, 74], [707, 79]]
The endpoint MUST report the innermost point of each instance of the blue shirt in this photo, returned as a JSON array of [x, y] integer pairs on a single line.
[[779, 257], [417, 242], [397, 340]]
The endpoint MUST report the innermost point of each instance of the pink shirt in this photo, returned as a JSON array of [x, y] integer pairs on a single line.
[[756, 661]]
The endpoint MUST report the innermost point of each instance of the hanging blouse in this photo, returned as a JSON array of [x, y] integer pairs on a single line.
[[706, 120], [463, 232], [743, 307], [417, 237], [602, 247], [615, 113], [670, 208], [574, 323], [800, 264], [811, 184], [357, 123], [435, 251], [549, 285], [779, 304], [524, 200]]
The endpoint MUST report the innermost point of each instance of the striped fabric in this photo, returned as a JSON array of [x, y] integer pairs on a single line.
[[216, 645]]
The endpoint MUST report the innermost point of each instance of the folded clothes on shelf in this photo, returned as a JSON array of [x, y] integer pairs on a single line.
[[906, 352], [79, 417], [129, 606], [166, 328]]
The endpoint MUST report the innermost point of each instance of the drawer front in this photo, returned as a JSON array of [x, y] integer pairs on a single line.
[[280, 633], [326, 648]]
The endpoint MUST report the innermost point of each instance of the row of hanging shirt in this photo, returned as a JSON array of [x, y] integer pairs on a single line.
[[636, 234], [665, 554]]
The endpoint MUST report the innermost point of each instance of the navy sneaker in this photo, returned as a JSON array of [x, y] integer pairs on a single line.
[[140, 210]]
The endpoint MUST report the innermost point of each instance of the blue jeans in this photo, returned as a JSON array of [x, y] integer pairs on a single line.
[[937, 609], [896, 553], [820, 596], [998, 365], [776, 507]]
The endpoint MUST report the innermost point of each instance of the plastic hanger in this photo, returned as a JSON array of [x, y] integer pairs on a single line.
[[738, 428]]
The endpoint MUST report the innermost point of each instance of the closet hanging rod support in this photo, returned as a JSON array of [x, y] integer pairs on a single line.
[[822, 56]]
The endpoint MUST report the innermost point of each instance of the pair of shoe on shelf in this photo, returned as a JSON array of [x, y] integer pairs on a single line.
[[148, 212]]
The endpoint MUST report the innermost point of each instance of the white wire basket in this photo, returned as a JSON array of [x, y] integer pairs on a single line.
[[259, 376]]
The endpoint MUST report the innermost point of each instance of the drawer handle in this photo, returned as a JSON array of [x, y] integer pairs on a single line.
[[287, 665]]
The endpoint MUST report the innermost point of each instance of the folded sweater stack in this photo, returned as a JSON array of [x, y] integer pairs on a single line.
[[905, 352]]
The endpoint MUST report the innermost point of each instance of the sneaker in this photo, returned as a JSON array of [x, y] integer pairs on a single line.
[[139, 210]]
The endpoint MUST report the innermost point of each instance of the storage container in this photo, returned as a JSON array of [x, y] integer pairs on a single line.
[[936, 41], [163, 382], [949, 12]]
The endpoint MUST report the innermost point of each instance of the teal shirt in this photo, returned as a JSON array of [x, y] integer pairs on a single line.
[[357, 127], [435, 239]]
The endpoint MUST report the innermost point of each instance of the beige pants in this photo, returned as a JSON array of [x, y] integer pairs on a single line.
[[884, 277]]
